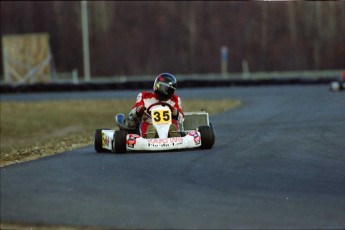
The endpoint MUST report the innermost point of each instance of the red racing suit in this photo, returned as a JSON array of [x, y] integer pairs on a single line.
[[148, 98]]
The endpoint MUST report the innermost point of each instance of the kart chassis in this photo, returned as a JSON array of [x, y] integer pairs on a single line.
[[196, 131]]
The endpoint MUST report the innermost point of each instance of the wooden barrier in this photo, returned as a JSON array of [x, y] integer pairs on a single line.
[[26, 58]]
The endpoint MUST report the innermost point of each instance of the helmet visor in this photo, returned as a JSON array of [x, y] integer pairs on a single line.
[[165, 90]]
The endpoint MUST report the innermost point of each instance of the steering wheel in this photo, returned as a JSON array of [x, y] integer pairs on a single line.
[[148, 110]]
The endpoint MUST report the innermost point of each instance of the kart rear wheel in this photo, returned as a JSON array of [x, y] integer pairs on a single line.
[[213, 133], [98, 141], [207, 138], [120, 138]]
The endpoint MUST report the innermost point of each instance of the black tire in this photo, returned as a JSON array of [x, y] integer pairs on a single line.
[[213, 133], [119, 144], [207, 138], [98, 141]]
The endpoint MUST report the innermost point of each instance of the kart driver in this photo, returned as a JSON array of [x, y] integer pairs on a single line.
[[164, 91]]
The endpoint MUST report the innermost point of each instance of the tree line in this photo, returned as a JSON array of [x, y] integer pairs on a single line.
[[148, 37]]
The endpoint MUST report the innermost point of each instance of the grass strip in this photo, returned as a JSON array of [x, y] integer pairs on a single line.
[[31, 130]]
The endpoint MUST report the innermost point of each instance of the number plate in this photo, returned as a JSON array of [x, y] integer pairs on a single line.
[[161, 116]]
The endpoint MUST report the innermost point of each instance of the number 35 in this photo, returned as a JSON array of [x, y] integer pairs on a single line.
[[158, 116]]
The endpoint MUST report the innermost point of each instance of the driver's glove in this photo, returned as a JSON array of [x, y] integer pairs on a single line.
[[140, 110], [175, 114]]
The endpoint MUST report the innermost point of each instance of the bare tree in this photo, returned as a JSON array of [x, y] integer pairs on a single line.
[[139, 37]]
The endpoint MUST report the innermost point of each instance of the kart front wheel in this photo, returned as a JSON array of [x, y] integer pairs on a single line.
[[119, 144], [207, 137], [98, 141]]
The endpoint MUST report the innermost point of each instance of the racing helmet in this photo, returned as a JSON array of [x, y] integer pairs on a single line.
[[165, 86]]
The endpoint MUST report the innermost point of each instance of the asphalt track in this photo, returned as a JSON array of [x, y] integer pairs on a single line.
[[278, 162]]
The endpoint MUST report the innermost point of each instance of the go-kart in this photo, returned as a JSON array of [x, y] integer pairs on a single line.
[[194, 132], [337, 85]]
